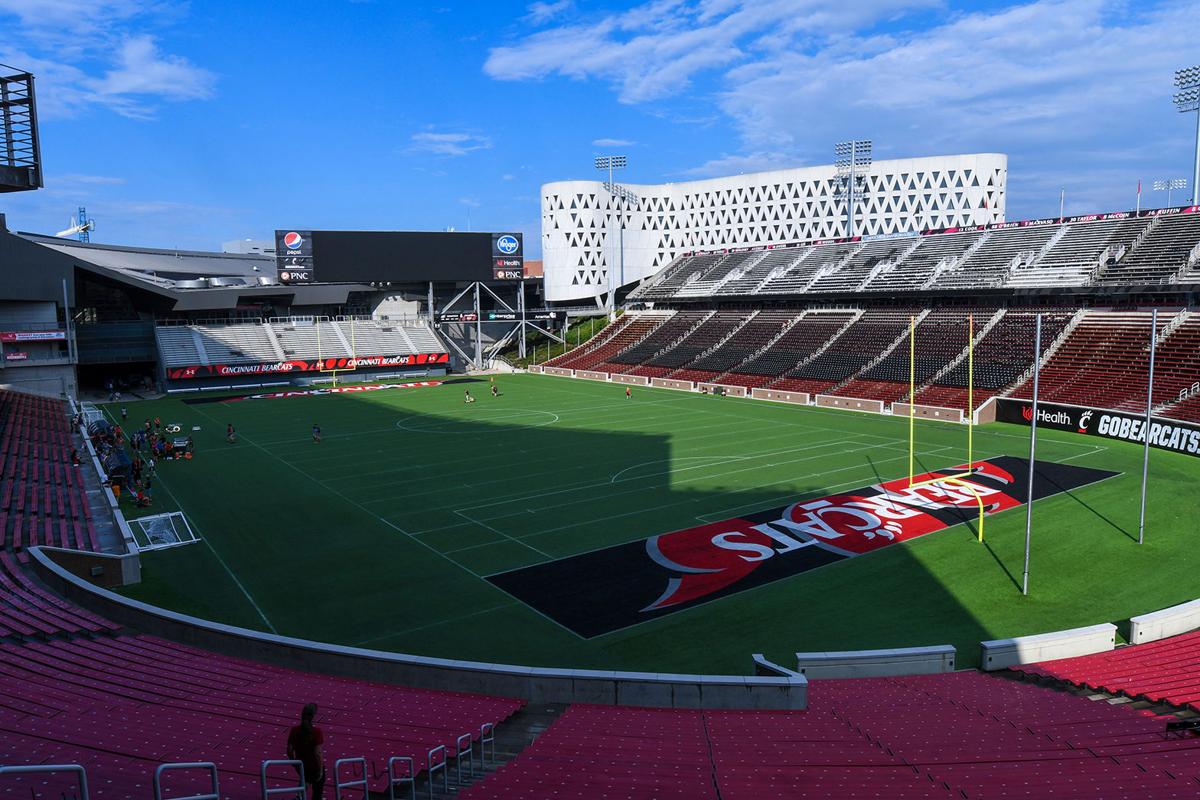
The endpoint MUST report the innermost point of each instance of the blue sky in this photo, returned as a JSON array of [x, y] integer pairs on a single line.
[[185, 125]]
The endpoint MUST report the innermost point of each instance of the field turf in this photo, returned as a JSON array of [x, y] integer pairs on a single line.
[[380, 535]]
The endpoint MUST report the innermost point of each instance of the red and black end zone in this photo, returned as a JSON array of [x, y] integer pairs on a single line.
[[605, 590]]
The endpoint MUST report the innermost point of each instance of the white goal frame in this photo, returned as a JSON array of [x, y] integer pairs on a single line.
[[162, 531]]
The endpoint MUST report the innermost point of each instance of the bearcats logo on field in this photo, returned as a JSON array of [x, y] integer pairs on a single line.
[[710, 557]]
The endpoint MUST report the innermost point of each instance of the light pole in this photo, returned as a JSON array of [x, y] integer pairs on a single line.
[[617, 193], [1169, 184], [1187, 100], [852, 159]]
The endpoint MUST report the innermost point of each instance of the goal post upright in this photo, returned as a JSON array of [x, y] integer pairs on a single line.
[[912, 385], [971, 394]]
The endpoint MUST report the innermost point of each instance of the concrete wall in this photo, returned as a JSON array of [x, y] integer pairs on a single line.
[[730, 391], [877, 663], [801, 398], [566, 373], [928, 412], [591, 375], [1167, 622], [851, 403], [669, 383], [1002, 653], [634, 380], [538, 685]]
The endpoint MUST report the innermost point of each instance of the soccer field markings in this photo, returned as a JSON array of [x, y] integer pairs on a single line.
[[503, 534], [659, 506], [711, 461], [196, 528], [359, 506], [488, 468], [606, 485], [506, 414]]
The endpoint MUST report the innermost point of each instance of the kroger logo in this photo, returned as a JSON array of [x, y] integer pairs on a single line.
[[292, 240], [507, 244]]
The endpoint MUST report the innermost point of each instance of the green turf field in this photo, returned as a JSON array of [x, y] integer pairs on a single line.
[[380, 535]]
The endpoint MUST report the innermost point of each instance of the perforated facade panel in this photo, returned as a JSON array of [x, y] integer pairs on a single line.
[[581, 237]]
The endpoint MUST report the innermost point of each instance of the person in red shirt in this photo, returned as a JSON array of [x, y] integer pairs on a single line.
[[304, 745]]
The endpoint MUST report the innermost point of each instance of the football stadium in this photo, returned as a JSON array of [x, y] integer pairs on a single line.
[[821, 481]]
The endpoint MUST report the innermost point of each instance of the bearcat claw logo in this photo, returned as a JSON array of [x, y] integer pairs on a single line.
[[605, 590]]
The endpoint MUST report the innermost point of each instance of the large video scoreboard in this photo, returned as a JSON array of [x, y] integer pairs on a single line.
[[306, 256]]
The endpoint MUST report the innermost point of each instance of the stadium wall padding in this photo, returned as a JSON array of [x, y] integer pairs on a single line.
[[535, 684]]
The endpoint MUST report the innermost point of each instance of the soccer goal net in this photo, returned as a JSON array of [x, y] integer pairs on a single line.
[[90, 414], [160, 531]]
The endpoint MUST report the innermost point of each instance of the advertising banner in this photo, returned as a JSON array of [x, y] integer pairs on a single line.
[[304, 365], [294, 256], [1165, 434], [508, 256], [33, 336]]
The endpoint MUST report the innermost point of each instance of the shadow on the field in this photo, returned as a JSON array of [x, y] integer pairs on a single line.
[[588, 515]]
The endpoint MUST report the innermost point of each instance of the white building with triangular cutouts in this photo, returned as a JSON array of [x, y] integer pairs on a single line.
[[581, 240]]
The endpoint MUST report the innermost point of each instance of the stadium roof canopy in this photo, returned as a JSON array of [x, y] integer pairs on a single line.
[[195, 280]]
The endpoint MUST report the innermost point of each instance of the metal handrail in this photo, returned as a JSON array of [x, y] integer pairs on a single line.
[[215, 794], [338, 784], [460, 753], [432, 766], [410, 779], [300, 789], [81, 775], [487, 735]]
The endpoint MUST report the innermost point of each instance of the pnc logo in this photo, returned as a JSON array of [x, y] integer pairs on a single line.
[[507, 244], [292, 240]]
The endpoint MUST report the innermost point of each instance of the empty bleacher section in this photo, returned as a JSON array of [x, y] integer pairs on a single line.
[[624, 333], [258, 342], [1001, 357], [1105, 360], [759, 330], [178, 703], [797, 344], [867, 338], [957, 735], [1166, 671], [1158, 254], [713, 331], [1076, 258], [942, 336], [1078, 252], [665, 335], [43, 498]]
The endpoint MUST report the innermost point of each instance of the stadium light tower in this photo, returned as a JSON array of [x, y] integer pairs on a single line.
[[619, 195], [852, 160], [1168, 185], [1187, 100]]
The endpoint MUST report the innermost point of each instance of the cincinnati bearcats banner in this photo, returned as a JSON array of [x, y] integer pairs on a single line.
[[1165, 434], [355, 389], [304, 365], [606, 590]]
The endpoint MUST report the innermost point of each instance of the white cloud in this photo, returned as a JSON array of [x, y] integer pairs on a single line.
[[470, 201], [103, 54], [1075, 91], [541, 13], [448, 144], [613, 143]]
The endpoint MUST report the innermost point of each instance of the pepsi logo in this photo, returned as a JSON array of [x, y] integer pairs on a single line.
[[506, 244], [292, 240]]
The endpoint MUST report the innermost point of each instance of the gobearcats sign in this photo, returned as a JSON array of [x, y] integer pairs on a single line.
[[1165, 434]]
